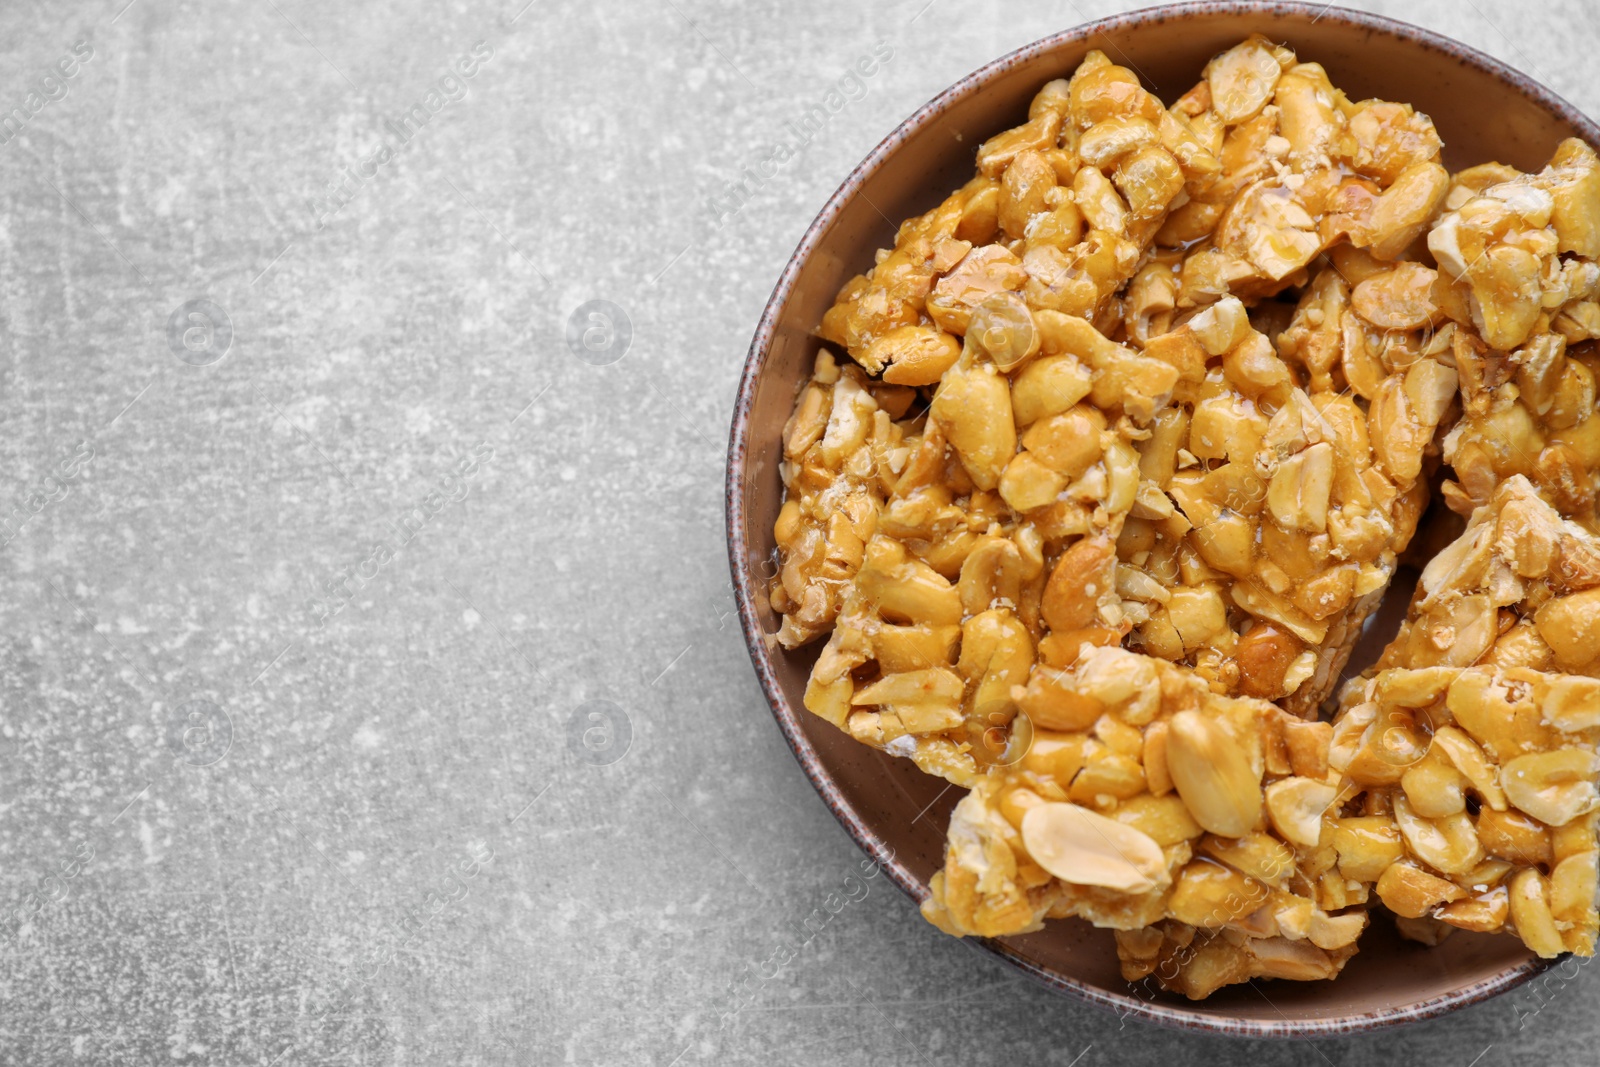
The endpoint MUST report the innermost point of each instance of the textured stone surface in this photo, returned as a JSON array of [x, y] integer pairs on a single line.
[[243, 820]]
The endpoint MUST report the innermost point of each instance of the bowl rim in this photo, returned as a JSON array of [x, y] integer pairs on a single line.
[[789, 721]]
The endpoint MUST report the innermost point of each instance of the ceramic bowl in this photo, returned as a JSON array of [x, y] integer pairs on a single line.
[[1483, 109]]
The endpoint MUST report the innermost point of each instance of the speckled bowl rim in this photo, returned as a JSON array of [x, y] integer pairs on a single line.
[[738, 548]]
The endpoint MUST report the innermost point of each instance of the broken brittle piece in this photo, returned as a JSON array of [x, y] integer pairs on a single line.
[[1487, 775], [1519, 588], [1466, 746], [1148, 799], [1518, 272]]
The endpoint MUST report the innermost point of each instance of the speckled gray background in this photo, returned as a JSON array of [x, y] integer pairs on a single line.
[[371, 689]]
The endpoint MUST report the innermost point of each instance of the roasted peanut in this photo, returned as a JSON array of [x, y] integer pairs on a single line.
[[1212, 776], [1085, 848]]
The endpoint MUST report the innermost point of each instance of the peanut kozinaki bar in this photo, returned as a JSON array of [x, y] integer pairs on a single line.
[[1133, 428]]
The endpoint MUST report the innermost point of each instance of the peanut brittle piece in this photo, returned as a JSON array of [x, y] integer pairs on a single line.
[[1147, 798], [1519, 588], [1470, 752], [1518, 273]]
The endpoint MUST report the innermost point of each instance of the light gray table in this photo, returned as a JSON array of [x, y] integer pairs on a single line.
[[307, 590]]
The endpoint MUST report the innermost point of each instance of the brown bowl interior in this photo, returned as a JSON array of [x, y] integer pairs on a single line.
[[1483, 111]]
